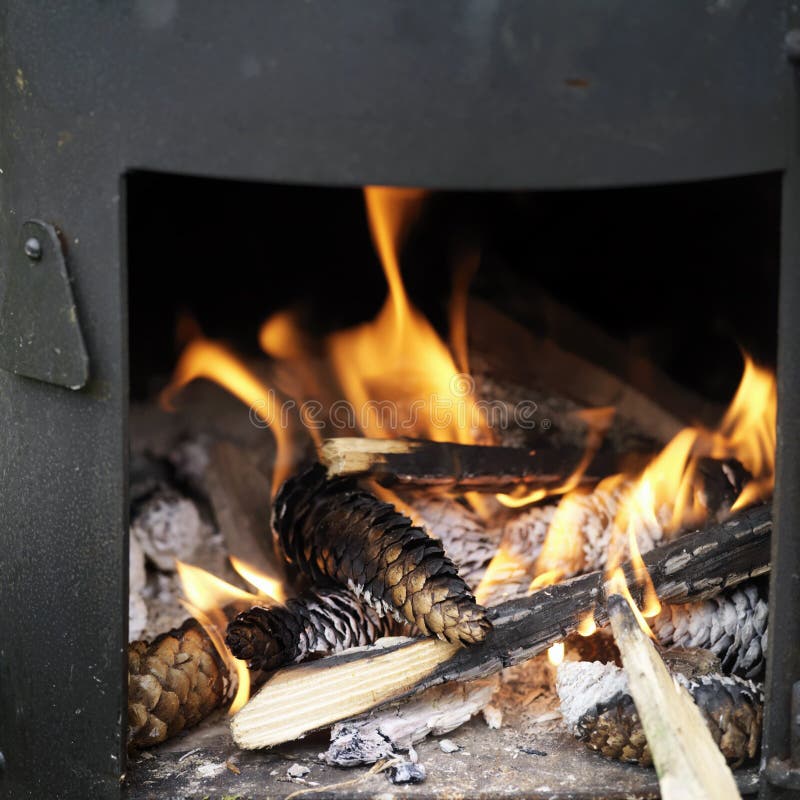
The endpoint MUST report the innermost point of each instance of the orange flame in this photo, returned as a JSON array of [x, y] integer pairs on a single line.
[[617, 584], [555, 654], [206, 597], [397, 364], [587, 626], [204, 358], [598, 421], [270, 589]]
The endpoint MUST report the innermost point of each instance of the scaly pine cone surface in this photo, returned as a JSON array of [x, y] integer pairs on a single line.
[[332, 531]]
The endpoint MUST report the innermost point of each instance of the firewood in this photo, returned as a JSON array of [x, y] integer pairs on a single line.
[[174, 682], [445, 466], [301, 699], [688, 762], [597, 707], [316, 623], [732, 625], [335, 533], [438, 710]]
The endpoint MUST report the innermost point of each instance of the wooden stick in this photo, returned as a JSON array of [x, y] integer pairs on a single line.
[[689, 764], [455, 467], [301, 699]]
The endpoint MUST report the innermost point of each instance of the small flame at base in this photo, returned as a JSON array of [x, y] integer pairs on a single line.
[[555, 655]]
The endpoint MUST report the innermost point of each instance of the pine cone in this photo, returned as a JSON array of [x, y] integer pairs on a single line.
[[732, 708], [317, 623], [334, 532], [173, 683], [733, 625]]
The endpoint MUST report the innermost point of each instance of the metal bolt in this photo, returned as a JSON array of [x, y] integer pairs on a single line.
[[33, 248], [792, 44]]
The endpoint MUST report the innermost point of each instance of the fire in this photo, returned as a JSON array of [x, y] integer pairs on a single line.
[[617, 584], [587, 626], [748, 431], [397, 364], [555, 654], [204, 358], [269, 588], [207, 597]]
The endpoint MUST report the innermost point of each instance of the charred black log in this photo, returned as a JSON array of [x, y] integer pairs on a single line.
[[336, 533], [317, 623], [416, 463]]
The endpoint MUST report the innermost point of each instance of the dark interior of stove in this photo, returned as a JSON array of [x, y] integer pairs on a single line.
[[685, 274]]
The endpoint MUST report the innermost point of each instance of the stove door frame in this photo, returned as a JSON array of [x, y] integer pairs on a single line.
[[537, 96]]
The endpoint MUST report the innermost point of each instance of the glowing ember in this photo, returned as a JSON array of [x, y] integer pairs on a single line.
[[587, 626], [555, 654]]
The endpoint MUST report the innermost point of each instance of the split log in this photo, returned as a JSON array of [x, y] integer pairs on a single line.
[[301, 699], [686, 758], [334, 532], [445, 466], [317, 623], [597, 706]]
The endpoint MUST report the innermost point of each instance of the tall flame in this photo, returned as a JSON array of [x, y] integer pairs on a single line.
[[398, 359]]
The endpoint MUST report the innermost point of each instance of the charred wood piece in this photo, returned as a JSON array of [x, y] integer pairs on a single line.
[[335, 533], [598, 708], [174, 682], [417, 463], [297, 701], [317, 623], [732, 625]]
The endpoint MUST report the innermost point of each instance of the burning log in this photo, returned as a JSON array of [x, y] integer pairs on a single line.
[[688, 762], [173, 683], [450, 467], [732, 625], [334, 532], [300, 699], [597, 707], [318, 623]]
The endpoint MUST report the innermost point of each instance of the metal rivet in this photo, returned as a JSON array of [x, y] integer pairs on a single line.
[[33, 248], [792, 44]]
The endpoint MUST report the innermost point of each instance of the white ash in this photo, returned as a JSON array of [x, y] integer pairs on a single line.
[[448, 746], [168, 527], [297, 771], [137, 577], [732, 625], [438, 710], [493, 717], [583, 685]]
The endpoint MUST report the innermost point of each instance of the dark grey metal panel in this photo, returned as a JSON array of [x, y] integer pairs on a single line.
[[452, 93], [783, 656]]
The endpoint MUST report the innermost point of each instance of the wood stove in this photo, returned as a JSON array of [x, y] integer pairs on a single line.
[[503, 96]]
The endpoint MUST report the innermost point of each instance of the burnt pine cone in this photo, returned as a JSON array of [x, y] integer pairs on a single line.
[[332, 531], [732, 708], [173, 683], [318, 622]]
